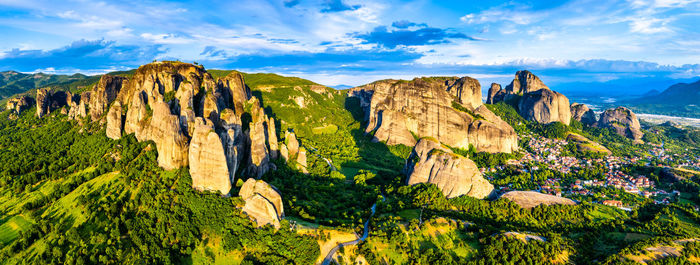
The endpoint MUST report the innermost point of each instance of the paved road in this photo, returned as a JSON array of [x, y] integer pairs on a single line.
[[365, 233]]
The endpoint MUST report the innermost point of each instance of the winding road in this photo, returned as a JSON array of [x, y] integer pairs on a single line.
[[365, 233]]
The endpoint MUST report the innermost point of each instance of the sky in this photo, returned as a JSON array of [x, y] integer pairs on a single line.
[[349, 42]]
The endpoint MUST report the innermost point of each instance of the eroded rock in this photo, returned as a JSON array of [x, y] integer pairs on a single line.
[[623, 121], [263, 203]]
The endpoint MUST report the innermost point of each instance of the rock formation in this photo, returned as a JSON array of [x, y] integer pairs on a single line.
[[448, 109], [207, 158], [455, 175], [48, 100], [115, 121], [525, 82], [171, 142], [292, 151], [17, 105], [103, 94], [623, 121], [582, 113], [535, 101], [531, 199], [545, 106], [496, 94], [262, 202]]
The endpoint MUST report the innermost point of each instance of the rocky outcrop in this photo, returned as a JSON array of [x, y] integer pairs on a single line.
[[465, 90], [208, 160], [582, 113], [171, 142], [545, 106], [534, 100], [272, 139], [17, 105], [525, 82], [495, 94], [623, 121], [259, 158], [531, 199], [448, 109], [292, 151], [103, 94], [263, 203], [455, 175], [48, 100], [115, 121]]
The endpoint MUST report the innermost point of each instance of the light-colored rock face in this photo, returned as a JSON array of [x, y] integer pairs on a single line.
[[284, 152], [103, 94], [272, 139], [525, 82], [545, 106], [495, 94], [259, 158], [171, 142], [623, 121], [466, 91], [292, 144], [207, 159], [47, 101], [136, 116], [17, 105], [114, 121], [582, 113], [262, 202], [453, 174], [424, 107], [531, 199], [301, 160], [240, 93]]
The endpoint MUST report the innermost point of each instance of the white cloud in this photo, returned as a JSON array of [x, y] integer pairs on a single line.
[[166, 38], [649, 25]]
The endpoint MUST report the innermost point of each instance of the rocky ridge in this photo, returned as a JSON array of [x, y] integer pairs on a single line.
[[454, 175]]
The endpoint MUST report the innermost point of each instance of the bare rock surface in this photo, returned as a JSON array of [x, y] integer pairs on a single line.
[[582, 113], [531, 199], [446, 108], [115, 121], [545, 106], [623, 121], [454, 175], [263, 203], [207, 159]]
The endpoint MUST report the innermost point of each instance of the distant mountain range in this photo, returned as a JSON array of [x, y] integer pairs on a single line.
[[12, 82], [682, 99]]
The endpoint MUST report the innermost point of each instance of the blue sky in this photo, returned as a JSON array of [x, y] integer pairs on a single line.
[[354, 42]]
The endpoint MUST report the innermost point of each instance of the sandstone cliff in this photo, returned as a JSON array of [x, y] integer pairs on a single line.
[[48, 101], [17, 105], [582, 113], [455, 175], [262, 202], [545, 106], [623, 121], [535, 101], [115, 121], [208, 161], [448, 109]]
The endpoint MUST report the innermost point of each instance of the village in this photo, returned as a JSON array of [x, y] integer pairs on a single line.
[[548, 152]]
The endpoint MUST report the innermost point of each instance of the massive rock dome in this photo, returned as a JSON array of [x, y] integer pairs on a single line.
[[623, 121], [582, 113], [446, 108], [455, 175], [262, 202]]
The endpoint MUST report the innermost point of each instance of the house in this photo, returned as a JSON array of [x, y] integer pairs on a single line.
[[614, 203]]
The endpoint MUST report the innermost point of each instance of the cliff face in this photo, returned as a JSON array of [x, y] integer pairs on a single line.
[[194, 120], [17, 105], [623, 121], [455, 175], [582, 113], [48, 101], [448, 109], [208, 161], [536, 102], [545, 106], [262, 202]]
